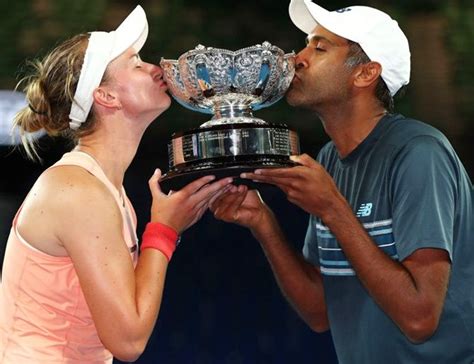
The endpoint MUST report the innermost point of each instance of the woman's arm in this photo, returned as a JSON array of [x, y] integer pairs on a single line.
[[86, 221]]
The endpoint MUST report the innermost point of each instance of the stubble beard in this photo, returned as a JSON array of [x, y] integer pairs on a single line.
[[299, 97], [293, 96]]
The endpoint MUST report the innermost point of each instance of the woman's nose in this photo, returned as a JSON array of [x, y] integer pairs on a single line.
[[155, 70]]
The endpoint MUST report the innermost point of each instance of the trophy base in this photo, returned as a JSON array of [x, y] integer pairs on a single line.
[[180, 176]]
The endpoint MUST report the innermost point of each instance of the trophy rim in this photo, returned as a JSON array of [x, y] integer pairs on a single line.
[[205, 49], [177, 178]]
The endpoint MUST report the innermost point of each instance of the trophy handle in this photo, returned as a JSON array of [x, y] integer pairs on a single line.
[[203, 79], [264, 75]]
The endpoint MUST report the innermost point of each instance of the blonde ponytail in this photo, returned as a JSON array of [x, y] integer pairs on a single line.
[[49, 91]]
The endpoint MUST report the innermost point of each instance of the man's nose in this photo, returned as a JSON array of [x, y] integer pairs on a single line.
[[300, 61]]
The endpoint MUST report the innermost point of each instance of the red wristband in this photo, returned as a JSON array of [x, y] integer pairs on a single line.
[[161, 237]]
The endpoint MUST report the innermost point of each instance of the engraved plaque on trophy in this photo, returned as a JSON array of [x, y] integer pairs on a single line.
[[230, 85]]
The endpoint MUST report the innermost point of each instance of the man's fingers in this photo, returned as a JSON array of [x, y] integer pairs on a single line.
[[218, 194], [226, 206], [223, 198], [272, 172], [254, 197], [305, 160], [281, 182]]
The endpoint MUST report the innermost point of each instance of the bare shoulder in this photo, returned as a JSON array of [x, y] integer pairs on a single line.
[[63, 200], [71, 182]]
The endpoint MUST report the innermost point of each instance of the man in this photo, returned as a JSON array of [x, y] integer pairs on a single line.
[[387, 259]]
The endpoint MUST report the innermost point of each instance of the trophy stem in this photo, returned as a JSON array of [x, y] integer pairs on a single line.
[[232, 111]]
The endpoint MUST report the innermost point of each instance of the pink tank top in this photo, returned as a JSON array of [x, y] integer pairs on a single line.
[[44, 317]]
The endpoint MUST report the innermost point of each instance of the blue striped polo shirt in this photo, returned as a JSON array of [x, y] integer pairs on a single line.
[[409, 190]]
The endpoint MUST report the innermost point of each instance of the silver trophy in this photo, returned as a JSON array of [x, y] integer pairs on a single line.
[[230, 86]]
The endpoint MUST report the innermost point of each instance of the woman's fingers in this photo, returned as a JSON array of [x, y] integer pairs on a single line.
[[196, 185], [207, 192], [217, 194], [154, 184]]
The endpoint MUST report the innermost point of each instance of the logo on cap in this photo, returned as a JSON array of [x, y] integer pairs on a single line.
[[343, 10]]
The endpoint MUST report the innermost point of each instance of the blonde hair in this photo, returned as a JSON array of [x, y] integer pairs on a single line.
[[50, 92]]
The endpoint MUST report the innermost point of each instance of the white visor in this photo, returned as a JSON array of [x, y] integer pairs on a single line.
[[102, 49]]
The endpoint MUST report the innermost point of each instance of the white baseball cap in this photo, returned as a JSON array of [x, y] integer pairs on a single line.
[[375, 31], [103, 48]]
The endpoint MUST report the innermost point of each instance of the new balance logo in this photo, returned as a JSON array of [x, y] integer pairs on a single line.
[[365, 209]]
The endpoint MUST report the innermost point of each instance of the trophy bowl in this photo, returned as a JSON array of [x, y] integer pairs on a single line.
[[230, 85]]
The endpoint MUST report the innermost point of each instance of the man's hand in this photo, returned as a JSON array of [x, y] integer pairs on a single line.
[[241, 206], [308, 185]]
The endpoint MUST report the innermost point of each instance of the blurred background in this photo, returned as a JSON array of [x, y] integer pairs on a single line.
[[221, 303]]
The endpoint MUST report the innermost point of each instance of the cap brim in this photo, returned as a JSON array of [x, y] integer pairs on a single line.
[[132, 32], [305, 19]]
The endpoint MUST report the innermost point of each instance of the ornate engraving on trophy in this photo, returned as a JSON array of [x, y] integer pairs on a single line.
[[230, 85]]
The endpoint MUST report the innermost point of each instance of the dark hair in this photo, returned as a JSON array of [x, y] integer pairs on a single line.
[[50, 90], [357, 56]]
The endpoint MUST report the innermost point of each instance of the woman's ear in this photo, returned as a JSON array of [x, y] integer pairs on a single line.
[[367, 74], [105, 97]]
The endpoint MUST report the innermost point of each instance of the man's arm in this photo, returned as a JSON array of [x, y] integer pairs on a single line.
[[299, 281], [411, 292]]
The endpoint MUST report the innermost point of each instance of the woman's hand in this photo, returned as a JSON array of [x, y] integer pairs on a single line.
[[181, 209]]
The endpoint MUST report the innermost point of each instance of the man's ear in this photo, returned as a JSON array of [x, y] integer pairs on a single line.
[[106, 98], [367, 74]]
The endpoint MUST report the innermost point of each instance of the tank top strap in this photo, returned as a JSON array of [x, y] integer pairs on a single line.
[[84, 160]]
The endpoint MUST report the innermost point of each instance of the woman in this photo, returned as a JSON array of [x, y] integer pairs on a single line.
[[74, 289]]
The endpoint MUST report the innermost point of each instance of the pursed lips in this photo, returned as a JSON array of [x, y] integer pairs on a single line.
[[296, 78], [161, 82]]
